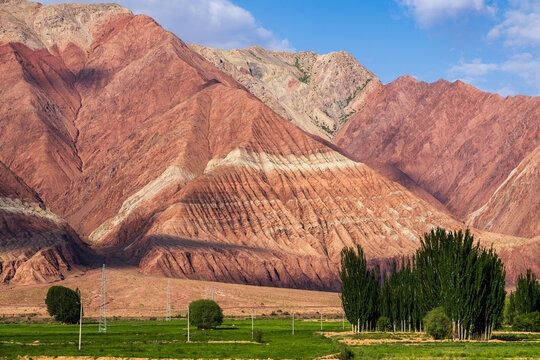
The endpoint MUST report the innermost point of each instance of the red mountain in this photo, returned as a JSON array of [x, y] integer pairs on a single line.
[[458, 143], [154, 155]]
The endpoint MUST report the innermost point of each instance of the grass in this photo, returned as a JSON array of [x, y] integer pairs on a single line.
[[158, 339], [448, 350]]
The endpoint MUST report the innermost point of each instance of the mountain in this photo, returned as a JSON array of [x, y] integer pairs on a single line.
[[460, 144], [318, 93], [157, 157], [35, 244], [514, 208]]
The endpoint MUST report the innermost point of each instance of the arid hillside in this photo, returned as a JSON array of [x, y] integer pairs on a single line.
[[35, 244], [318, 93], [161, 160], [473, 151]]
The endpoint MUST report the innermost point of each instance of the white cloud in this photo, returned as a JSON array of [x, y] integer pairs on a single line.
[[216, 23], [428, 12], [521, 26], [524, 65], [474, 69]]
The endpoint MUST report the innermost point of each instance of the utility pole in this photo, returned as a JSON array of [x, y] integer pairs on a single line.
[[103, 304], [168, 312], [251, 324], [293, 323], [80, 323], [321, 321], [343, 320], [188, 324]]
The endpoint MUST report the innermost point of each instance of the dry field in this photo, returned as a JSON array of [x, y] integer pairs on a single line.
[[132, 294]]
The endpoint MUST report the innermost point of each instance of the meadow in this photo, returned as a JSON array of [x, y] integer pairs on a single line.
[[159, 339]]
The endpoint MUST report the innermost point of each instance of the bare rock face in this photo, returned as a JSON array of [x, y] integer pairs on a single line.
[[514, 208], [35, 244], [155, 155], [318, 93], [456, 142]]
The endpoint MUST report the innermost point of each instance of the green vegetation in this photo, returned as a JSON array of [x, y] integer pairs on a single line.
[[359, 289], [438, 325], [205, 314], [254, 55], [159, 339], [527, 322], [63, 304], [258, 335], [353, 95], [328, 130], [522, 310], [468, 282], [306, 76], [384, 324], [448, 270]]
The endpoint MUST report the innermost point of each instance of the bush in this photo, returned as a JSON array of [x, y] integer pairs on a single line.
[[258, 335], [63, 304], [384, 324], [527, 322], [205, 314], [437, 324], [345, 353]]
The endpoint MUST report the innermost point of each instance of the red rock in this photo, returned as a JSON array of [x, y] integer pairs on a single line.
[[154, 155], [453, 140], [36, 245]]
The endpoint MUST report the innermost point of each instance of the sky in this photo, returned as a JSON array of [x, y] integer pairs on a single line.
[[491, 44]]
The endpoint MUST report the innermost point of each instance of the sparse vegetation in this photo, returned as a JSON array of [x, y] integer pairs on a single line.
[[306, 76], [355, 93], [254, 55]]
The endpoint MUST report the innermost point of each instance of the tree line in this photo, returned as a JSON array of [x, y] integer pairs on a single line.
[[449, 270]]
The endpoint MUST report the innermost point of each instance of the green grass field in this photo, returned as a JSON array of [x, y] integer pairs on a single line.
[[158, 339]]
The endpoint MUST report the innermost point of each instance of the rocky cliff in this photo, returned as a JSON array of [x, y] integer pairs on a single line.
[[318, 93], [35, 244]]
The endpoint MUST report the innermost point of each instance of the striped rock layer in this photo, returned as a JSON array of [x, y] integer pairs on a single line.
[[35, 244], [155, 156]]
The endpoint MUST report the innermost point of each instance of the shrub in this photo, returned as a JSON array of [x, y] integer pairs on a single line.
[[437, 324], [345, 353], [63, 304], [205, 314], [258, 335], [384, 324], [527, 322]]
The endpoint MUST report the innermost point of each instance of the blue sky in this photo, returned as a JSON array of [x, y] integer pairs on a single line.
[[493, 45]]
